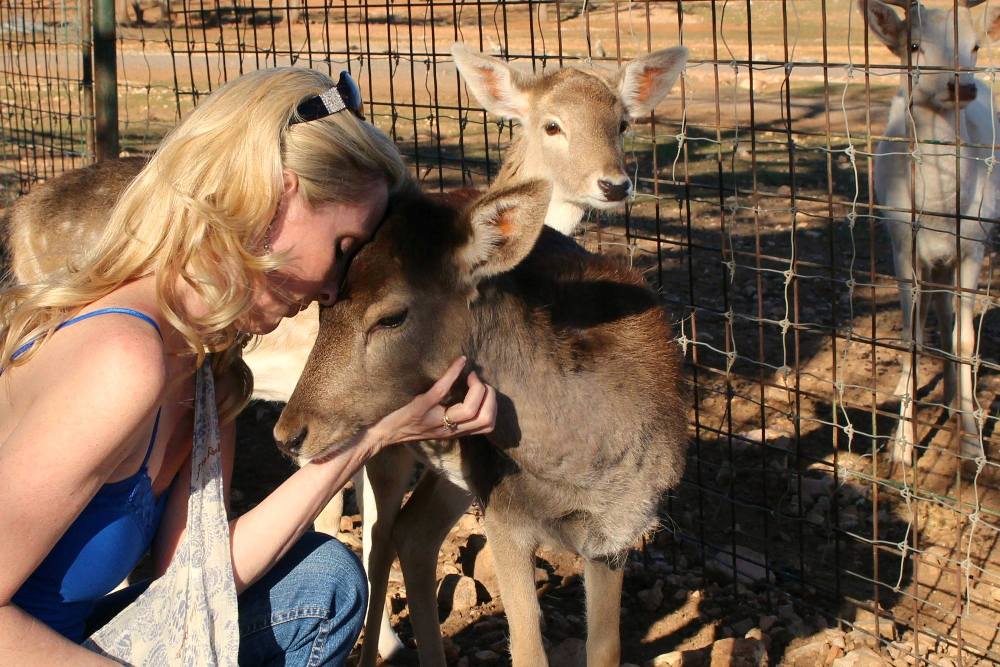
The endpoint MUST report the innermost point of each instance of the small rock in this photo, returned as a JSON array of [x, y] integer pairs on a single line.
[[457, 594], [812, 488], [865, 631], [859, 657], [935, 570], [468, 523], [541, 576], [848, 518], [486, 657], [346, 524], [570, 652], [749, 565], [742, 627], [652, 598], [785, 191], [672, 659], [754, 633], [807, 655], [738, 653]]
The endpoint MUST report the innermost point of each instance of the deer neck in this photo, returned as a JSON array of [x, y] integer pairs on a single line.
[[937, 124], [564, 214]]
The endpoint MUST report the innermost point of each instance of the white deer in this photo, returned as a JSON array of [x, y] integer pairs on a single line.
[[930, 196]]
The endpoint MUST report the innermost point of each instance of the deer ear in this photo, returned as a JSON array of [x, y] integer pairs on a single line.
[[991, 23], [497, 86], [504, 226], [885, 24], [644, 82]]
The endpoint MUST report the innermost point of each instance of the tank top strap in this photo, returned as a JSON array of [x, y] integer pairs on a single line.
[[94, 313], [152, 439]]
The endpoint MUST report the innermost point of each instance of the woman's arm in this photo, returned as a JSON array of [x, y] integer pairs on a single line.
[[89, 419], [263, 535]]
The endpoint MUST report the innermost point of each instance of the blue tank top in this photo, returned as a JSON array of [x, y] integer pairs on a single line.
[[101, 546]]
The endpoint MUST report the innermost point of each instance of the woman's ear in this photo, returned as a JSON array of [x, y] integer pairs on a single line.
[[290, 182]]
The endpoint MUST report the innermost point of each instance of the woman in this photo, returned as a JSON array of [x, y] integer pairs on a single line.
[[251, 209]]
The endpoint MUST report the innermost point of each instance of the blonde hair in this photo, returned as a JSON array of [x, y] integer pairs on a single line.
[[199, 210]]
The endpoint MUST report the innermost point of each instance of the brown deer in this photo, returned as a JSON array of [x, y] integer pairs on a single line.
[[572, 124], [591, 429]]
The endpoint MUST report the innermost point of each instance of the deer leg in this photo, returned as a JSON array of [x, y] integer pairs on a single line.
[[944, 312], [905, 437], [514, 557], [423, 523], [964, 345], [328, 520], [388, 476], [604, 597]]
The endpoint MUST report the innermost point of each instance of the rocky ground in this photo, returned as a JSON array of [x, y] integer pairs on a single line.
[[675, 612]]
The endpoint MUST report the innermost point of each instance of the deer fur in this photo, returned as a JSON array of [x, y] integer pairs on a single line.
[[924, 244], [591, 429]]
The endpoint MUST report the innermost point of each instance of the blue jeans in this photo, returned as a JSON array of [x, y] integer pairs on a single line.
[[307, 611]]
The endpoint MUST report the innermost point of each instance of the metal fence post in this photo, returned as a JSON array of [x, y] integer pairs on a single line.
[[105, 80]]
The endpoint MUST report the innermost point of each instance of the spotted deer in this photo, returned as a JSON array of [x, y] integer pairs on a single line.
[[591, 426], [925, 113], [572, 121]]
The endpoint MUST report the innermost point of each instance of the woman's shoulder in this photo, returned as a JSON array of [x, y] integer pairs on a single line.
[[102, 348]]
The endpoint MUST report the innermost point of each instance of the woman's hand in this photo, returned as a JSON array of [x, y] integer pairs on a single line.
[[424, 418]]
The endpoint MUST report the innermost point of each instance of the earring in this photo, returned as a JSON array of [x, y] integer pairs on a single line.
[[267, 238]]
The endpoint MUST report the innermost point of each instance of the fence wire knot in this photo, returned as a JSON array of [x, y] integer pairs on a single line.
[[683, 340]]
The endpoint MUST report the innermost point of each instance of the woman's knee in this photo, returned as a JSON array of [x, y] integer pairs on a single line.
[[312, 603], [342, 574]]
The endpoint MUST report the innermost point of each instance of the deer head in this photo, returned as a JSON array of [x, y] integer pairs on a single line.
[[930, 43], [404, 312], [573, 120]]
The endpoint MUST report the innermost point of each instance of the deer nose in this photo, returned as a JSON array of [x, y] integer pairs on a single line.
[[293, 445], [966, 91], [614, 191]]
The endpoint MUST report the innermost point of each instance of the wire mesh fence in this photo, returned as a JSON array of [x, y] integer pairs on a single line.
[[756, 216]]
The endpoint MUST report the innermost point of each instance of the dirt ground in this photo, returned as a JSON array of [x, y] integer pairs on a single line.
[[790, 534]]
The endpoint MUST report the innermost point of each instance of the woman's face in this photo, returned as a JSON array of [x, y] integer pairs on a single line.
[[319, 243]]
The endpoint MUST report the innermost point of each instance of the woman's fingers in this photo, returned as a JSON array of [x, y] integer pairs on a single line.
[[468, 409], [484, 418], [440, 389]]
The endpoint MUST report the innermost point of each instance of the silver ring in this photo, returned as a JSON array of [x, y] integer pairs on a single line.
[[448, 424]]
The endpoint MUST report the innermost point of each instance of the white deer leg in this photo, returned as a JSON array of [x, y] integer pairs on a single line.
[[514, 556], [944, 312], [964, 345], [905, 437], [604, 597], [424, 522], [328, 520], [388, 476]]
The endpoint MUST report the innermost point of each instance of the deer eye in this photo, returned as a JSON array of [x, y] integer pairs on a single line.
[[391, 321], [914, 47], [622, 127], [975, 48], [552, 128]]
